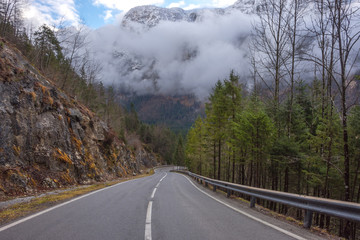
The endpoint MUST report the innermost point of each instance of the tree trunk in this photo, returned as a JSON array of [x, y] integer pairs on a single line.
[[214, 159], [219, 160]]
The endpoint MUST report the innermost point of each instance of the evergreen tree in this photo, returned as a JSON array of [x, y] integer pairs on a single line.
[[48, 47]]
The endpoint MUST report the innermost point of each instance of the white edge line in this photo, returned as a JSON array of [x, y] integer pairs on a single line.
[[148, 222], [57, 206], [248, 215]]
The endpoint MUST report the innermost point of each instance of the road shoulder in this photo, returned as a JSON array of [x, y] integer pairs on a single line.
[[263, 214]]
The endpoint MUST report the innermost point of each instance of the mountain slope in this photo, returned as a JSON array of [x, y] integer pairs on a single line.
[[176, 112], [48, 139]]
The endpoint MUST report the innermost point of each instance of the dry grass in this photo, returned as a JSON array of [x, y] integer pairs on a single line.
[[24, 209], [62, 156], [77, 143], [43, 88], [16, 150], [50, 100], [33, 95]]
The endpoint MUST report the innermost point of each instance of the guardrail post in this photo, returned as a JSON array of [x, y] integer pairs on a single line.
[[214, 188], [206, 184], [228, 193], [252, 201], [308, 218]]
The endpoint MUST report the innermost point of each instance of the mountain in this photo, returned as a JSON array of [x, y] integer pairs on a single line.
[[158, 55], [151, 16], [147, 75], [48, 139]]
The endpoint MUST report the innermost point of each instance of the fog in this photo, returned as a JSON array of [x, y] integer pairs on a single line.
[[173, 57]]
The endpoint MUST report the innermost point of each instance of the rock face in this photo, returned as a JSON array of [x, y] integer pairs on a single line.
[[48, 140]]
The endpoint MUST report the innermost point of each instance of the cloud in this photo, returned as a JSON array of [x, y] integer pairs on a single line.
[[222, 3], [184, 6], [188, 5], [176, 4], [124, 5], [51, 12], [174, 57], [108, 15], [192, 6]]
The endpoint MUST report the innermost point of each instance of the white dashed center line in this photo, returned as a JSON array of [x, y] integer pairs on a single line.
[[149, 210], [153, 193]]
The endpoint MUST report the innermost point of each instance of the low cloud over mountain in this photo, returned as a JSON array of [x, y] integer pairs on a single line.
[[172, 51]]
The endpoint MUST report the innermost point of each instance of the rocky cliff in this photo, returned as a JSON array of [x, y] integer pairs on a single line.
[[48, 139]]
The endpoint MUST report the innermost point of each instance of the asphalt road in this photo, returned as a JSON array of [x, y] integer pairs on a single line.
[[162, 206]]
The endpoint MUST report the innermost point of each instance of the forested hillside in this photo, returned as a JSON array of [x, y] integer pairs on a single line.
[[176, 112], [291, 130]]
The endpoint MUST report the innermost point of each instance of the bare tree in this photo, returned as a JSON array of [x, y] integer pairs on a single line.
[[10, 14], [323, 29], [295, 26], [89, 72], [74, 42], [270, 41]]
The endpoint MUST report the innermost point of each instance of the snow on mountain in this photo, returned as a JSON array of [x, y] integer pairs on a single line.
[[246, 6], [151, 16]]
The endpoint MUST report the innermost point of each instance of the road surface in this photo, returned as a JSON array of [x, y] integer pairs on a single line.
[[165, 206]]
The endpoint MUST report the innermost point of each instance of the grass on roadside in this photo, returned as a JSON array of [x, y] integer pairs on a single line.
[[37, 204]]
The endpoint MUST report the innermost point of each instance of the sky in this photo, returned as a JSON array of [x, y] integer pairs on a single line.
[[97, 13]]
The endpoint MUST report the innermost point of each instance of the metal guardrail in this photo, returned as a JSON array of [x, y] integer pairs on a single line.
[[341, 209]]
